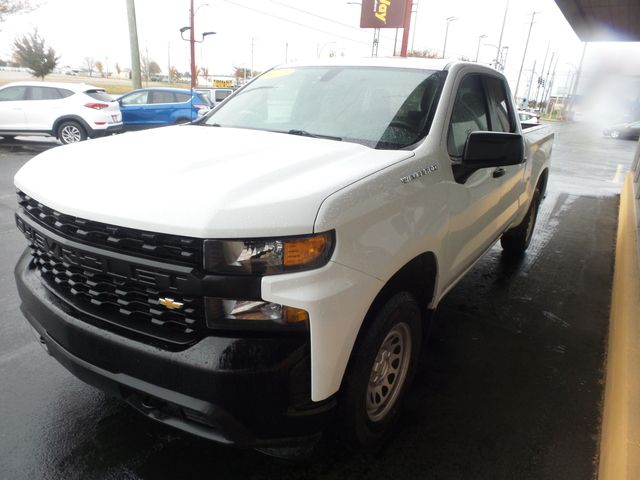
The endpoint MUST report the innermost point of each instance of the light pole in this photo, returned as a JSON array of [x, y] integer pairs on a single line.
[[524, 55], [192, 42], [446, 34], [504, 20], [479, 43]]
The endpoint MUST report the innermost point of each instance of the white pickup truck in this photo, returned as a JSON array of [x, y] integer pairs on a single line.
[[269, 269]]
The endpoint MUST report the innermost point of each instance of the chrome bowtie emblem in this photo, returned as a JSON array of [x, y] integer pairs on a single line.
[[170, 303]]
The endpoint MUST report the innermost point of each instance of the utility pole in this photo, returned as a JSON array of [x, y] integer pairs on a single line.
[[533, 72], [169, 62], [406, 26], [415, 22], [504, 20], [574, 90], [546, 78], [133, 42], [252, 46], [547, 97], [192, 47], [544, 65], [524, 56]]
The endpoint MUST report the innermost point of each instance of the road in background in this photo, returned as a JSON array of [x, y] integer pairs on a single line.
[[510, 384]]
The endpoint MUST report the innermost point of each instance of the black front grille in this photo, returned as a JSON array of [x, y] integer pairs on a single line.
[[123, 303], [165, 247]]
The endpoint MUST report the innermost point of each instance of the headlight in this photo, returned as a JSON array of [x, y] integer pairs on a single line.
[[252, 314], [268, 256]]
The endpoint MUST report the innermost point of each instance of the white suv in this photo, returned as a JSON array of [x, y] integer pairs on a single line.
[[70, 112]]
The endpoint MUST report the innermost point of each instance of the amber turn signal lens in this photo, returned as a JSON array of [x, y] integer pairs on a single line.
[[294, 315], [304, 251]]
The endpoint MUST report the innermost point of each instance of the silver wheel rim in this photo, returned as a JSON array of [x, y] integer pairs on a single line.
[[389, 372], [615, 134], [70, 134]]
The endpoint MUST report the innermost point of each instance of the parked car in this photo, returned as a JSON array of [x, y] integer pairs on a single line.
[[623, 130], [157, 107], [215, 95], [70, 112], [529, 117], [271, 268]]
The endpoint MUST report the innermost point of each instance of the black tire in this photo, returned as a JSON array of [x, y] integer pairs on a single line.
[[71, 132], [516, 241], [393, 335], [614, 134]]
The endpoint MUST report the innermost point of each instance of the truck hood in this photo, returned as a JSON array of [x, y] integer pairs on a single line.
[[200, 181]]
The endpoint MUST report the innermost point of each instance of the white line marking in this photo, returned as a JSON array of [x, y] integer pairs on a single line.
[[618, 177]]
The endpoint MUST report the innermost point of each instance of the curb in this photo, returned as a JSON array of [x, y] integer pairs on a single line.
[[620, 439]]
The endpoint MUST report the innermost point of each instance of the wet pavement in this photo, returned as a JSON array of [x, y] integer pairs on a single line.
[[510, 384]]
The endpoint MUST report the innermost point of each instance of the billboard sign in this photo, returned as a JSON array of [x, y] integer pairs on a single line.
[[382, 13]]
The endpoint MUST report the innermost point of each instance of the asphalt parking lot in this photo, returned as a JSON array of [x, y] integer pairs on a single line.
[[510, 384]]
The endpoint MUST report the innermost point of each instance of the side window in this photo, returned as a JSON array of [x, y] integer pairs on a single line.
[[160, 96], [137, 98], [64, 93], [469, 114], [222, 94], [13, 94], [500, 105], [183, 97], [43, 93]]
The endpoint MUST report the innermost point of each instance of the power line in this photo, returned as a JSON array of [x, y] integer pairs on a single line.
[[307, 12], [295, 23], [315, 15]]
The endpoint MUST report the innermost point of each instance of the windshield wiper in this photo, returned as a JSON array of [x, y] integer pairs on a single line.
[[304, 133]]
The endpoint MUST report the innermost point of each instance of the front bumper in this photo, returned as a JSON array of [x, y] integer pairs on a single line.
[[249, 391]]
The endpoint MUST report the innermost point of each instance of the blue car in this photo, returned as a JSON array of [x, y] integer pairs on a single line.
[[157, 107]]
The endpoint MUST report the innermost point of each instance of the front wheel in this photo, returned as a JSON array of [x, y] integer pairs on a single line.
[[516, 241], [381, 371], [71, 132]]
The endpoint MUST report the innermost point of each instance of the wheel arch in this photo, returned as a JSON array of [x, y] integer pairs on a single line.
[[542, 181], [419, 278], [76, 118]]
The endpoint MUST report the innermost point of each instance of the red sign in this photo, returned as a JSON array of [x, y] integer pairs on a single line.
[[382, 13]]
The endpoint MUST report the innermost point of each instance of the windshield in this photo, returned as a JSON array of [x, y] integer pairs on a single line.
[[385, 108]]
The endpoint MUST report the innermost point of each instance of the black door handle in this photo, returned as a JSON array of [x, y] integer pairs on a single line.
[[498, 172]]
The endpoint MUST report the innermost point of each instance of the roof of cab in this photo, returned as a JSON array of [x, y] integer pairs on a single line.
[[392, 62]]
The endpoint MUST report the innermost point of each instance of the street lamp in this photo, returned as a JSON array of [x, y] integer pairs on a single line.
[[319, 52], [446, 34], [192, 41], [479, 42]]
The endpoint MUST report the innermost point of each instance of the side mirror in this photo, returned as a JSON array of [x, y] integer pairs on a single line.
[[493, 149]]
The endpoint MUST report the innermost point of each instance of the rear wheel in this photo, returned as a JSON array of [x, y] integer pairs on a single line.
[[615, 134], [517, 240], [381, 371], [71, 132]]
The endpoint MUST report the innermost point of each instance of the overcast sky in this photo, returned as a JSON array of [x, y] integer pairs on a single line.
[[300, 29]]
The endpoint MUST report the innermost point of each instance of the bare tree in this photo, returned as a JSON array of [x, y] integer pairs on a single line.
[[89, 64], [9, 7], [423, 53], [30, 51], [100, 68]]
